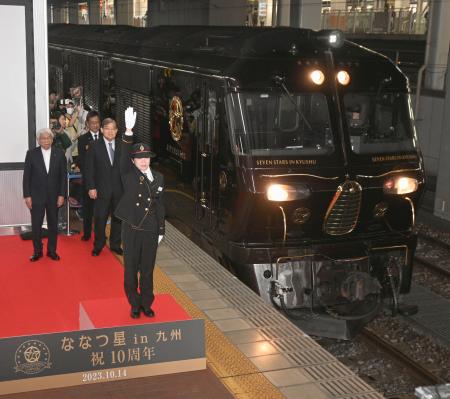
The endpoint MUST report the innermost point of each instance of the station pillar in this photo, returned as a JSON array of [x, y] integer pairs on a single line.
[[228, 12], [125, 12], [73, 14], [442, 197], [94, 12], [438, 45], [298, 13], [432, 105]]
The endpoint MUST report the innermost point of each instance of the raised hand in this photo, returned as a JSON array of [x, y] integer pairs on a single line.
[[130, 118]]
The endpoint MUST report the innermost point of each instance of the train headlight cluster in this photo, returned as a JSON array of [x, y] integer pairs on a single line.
[[286, 192], [400, 185], [318, 77]]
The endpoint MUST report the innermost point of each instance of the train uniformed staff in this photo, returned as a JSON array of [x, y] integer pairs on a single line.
[[142, 212]]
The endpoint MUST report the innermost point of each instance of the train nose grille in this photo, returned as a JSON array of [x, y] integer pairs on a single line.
[[343, 212]]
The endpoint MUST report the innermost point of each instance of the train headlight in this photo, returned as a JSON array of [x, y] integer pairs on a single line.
[[332, 38], [317, 77], [286, 192], [343, 78], [400, 185]]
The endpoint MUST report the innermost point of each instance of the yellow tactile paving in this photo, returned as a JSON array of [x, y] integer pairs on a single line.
[[236, 372]]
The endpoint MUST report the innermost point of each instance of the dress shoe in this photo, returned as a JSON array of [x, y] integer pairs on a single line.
[[118, 251], [135, 313], [35, 256], [53, 255], [96, 252], [148, 312], [85, 238]]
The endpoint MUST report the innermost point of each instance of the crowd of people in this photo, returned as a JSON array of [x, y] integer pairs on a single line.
[[80, 141]]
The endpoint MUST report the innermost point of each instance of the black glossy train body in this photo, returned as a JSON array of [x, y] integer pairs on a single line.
[[300, 147]]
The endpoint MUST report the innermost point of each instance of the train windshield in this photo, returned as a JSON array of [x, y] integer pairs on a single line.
[[379, 122], [278, 124]]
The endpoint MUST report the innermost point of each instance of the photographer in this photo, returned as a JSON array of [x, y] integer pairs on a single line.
[[72, 129], [58, 125]]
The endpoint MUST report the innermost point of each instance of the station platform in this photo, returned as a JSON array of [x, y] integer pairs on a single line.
[[252, 350]]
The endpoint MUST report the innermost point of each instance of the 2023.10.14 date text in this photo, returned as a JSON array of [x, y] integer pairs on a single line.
[[103, 375]]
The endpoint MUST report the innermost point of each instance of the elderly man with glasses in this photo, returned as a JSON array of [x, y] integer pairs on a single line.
[[44, 190]]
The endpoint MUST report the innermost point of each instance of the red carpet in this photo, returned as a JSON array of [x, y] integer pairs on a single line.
[[44, 296]]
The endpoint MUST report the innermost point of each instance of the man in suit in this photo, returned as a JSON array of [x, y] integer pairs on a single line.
[[84, 142], [105, 185], [44, 189], [141, 210]]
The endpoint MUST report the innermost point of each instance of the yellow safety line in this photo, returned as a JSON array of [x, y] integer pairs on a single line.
[[229, 364]]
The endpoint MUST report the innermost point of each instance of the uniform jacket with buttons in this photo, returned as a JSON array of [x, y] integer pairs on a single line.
[[142, 204]]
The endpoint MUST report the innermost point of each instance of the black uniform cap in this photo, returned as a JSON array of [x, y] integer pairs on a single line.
[[141, 150]]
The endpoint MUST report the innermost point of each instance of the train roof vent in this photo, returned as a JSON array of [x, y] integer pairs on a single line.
[[343, 213]]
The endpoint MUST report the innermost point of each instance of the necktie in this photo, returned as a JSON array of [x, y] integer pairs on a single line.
[[111, 152], [95, 137]]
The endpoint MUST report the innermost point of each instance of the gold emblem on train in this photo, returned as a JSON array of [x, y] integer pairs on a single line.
[[176, 118], [301, 215]]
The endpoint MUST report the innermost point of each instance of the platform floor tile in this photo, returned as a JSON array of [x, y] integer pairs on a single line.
[[304, 391], [271, 362], [286, 377]]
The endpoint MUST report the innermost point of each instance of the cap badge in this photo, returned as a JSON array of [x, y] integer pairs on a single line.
[[141, 148]]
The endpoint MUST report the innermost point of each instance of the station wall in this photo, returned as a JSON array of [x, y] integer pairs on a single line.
[[433, 126], [24, 100]]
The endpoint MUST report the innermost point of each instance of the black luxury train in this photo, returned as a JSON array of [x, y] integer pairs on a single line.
[[300, 147]]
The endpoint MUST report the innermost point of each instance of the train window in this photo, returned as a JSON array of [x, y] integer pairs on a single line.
[[275, 124], [379, 122]]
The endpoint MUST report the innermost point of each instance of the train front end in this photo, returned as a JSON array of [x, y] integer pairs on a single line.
[[328, 177]]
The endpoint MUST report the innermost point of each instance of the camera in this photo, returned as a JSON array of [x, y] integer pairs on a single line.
[[56, 125]]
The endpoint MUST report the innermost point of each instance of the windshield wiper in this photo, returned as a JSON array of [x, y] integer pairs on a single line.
[[279, 81]]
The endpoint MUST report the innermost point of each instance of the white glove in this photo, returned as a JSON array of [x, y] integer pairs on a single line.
[[159, 239], [130, 118]]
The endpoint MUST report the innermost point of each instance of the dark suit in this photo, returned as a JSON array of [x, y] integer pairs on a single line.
[[84, 141], [105, 178], [141, 210], [44, 189]]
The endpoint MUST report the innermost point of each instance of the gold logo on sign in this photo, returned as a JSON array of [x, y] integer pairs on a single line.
[[176, 118], [32, 357]]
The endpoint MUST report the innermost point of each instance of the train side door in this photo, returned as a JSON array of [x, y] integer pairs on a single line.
[[206, 164]]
